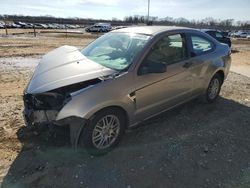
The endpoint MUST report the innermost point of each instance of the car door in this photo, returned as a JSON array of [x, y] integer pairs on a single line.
[[201, 50], [156, 92]]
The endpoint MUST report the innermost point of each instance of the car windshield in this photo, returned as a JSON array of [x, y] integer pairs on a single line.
[[115, 50]]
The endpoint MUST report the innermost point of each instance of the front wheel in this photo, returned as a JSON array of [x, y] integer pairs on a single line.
[[104, 131], [213, 89]]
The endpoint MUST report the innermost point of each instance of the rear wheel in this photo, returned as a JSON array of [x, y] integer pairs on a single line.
[[213, 89], [104, 131]]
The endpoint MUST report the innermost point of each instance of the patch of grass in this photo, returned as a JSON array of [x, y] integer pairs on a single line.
[[82, 36]]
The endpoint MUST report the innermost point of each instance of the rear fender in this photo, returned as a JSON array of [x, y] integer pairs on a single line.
[[217, 65]]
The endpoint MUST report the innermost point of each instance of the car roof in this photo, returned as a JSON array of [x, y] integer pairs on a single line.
[[150, 30]]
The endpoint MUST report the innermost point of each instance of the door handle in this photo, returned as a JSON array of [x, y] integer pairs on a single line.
[[187, 65]]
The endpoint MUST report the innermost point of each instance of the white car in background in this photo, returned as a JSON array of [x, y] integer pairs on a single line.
[[244, 34], [241, 34], [2, 24], [100, 27]]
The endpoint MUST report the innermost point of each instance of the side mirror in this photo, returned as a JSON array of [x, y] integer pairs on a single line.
[[152, 67]]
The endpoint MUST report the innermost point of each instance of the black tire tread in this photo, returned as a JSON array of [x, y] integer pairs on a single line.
[[205, 97]]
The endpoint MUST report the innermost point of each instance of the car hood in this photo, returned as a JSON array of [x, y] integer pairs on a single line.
[[64, 66]]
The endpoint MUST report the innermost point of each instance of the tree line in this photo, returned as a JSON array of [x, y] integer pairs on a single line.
[[209, 22], [227, 24]]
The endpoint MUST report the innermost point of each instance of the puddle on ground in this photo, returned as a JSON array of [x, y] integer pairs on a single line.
[[17, 63]]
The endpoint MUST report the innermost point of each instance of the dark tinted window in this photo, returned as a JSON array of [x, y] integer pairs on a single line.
[[168, 50], [218, 35], [211, 33], [215, 34]]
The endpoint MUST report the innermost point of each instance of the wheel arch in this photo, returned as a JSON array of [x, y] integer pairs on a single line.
[[218, 71], [221, 74], [121, 109], [76, 131]]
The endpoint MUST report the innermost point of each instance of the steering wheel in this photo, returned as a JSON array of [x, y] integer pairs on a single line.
[[116, 44]]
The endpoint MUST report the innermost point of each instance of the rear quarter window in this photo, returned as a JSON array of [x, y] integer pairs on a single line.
[[201, 45]]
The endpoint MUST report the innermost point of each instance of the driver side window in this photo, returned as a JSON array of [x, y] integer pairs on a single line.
[[168, 50]]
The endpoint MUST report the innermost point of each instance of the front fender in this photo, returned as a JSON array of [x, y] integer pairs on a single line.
[[85, 109], [106, 94]]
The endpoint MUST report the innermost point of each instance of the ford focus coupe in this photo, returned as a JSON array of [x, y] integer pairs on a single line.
[[122, 78]]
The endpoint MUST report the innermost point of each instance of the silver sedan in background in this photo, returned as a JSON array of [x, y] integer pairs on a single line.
[[122, 78]]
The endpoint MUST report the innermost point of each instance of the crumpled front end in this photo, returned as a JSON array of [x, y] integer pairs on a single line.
[[43, 108], [60, 73]]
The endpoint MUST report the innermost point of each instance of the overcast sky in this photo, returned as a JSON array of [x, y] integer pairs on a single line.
[[107, 9]]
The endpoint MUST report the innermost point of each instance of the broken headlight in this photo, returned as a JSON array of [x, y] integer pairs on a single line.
[[45, 101]]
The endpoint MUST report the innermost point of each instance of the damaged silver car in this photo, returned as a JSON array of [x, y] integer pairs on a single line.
[[122, 78]]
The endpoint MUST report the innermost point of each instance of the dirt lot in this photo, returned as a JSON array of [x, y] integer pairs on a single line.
[[195, 145], [26, 46]]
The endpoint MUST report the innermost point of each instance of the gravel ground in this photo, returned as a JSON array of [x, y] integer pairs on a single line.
[[195, 145]]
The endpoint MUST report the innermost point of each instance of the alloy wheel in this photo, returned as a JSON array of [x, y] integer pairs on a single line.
[[213, 88], [106, 131]]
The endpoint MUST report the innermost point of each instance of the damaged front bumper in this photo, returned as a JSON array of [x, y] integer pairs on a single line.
[[33, 117], [44, 108], [75, 123], [39, 110]]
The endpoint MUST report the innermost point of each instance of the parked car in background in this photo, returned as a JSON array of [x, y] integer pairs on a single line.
[[243, 34], [22, 24], [51, 26], [40, 26], [69, 26], [13, 25], [100, 27], [240, 34], [61, 26], [233, 34], [1, 26], [55, 26], [121, 79], [95, 28], [29, 26], [218, 35]]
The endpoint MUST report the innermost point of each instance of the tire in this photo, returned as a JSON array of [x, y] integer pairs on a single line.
[[213, 89], [98, 138]]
